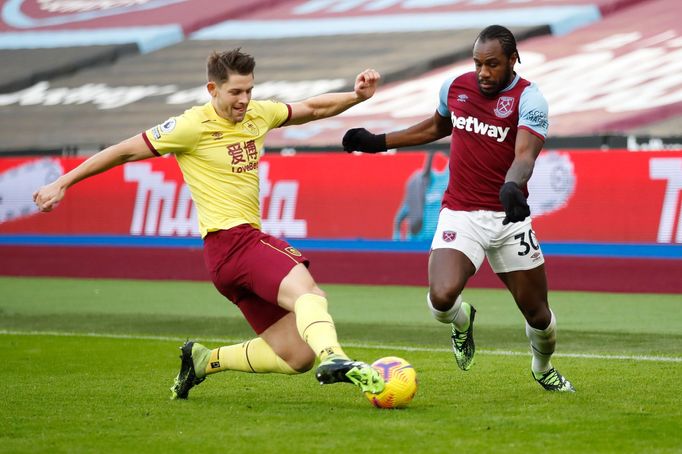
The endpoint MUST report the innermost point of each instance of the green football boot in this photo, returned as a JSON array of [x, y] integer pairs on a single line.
[[338, 369], [463, 341], [552, 380], [194, 358]]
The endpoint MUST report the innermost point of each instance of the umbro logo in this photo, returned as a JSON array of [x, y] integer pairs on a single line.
[[462, 98]]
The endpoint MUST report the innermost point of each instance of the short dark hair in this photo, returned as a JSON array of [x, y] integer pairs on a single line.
[[504, 36], [221, 64]]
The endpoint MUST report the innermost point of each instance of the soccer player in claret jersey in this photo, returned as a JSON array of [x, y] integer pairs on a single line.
[[498, 123], [218, 146]]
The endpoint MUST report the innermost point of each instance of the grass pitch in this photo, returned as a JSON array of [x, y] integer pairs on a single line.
[[87, 365]]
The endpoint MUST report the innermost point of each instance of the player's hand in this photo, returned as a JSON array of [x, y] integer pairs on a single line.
[[360, 139], [47, 197], [514, 202], [366, 83]]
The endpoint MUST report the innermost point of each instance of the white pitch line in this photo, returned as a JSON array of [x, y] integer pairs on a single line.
[[662, 359]]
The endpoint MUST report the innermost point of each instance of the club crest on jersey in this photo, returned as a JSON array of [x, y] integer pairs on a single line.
[[251, 128], [293, 251], [505, 106], [449, 236]]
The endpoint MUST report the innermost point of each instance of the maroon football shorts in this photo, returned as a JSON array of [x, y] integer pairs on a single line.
[[247, 266]]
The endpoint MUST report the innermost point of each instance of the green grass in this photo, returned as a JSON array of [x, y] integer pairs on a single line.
[[87, 365]]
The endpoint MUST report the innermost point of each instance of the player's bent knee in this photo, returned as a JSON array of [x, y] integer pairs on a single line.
[[443, 297], [538, 318], [304, 368], [301, 362]]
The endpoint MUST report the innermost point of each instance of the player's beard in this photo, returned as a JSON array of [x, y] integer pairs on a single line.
[[500, 85]]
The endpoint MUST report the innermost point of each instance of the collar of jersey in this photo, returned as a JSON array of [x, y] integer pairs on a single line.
[[512, 84], [212, 115]]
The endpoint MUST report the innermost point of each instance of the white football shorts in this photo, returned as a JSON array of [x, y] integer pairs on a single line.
[[479, 234]]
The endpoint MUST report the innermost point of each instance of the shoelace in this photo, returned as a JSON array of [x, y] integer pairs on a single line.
[[553, 379], [460, 339]]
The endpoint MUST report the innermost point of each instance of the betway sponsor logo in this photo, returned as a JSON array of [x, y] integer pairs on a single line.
[[473, 124]]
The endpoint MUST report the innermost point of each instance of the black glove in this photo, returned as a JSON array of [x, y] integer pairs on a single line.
[[360, 139], [514, 203]]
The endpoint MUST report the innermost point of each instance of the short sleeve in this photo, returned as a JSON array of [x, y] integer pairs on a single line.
[[275, 113], [443, 110], [533, 111], [175, 135]]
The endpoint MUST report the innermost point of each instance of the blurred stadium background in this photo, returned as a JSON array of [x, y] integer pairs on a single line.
[[77, 76]]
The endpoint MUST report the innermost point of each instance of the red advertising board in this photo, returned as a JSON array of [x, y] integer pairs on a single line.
[[576, 196]]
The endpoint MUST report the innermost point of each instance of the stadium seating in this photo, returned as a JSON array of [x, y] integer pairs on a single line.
[[88, 92]]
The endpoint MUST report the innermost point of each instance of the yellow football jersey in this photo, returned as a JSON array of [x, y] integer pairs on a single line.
[[219, 159]]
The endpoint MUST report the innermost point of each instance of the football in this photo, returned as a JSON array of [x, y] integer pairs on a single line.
[[401, 383]]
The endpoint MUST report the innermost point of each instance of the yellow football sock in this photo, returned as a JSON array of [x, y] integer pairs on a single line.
[[254, 356], [316, 326]]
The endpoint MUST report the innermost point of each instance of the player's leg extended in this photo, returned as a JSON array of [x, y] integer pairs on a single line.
[[299, 292], [529, 288], [255, 356], [449, 270], [253, 287]]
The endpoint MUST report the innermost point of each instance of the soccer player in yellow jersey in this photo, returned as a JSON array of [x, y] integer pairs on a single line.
[[217, 147]]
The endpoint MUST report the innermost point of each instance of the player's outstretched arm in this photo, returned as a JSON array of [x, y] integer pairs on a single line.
[[427, 131], [134, 149], [331, 104]]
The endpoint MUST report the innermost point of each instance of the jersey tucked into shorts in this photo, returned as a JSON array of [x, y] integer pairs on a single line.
[[247, 266]]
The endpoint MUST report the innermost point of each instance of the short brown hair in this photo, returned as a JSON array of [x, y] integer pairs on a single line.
[[221, 64]]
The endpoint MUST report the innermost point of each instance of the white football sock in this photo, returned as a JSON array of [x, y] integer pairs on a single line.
[[542, 343], [453, 315]]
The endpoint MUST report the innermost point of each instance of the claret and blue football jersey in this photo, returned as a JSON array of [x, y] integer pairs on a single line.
[[484, 136]]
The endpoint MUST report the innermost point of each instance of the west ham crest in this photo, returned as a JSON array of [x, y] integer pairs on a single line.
[[505, 106], [449, 235]]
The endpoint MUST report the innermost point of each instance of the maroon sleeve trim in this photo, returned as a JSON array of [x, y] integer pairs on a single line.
[[288, 115], [149, 144], [532, 131]]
